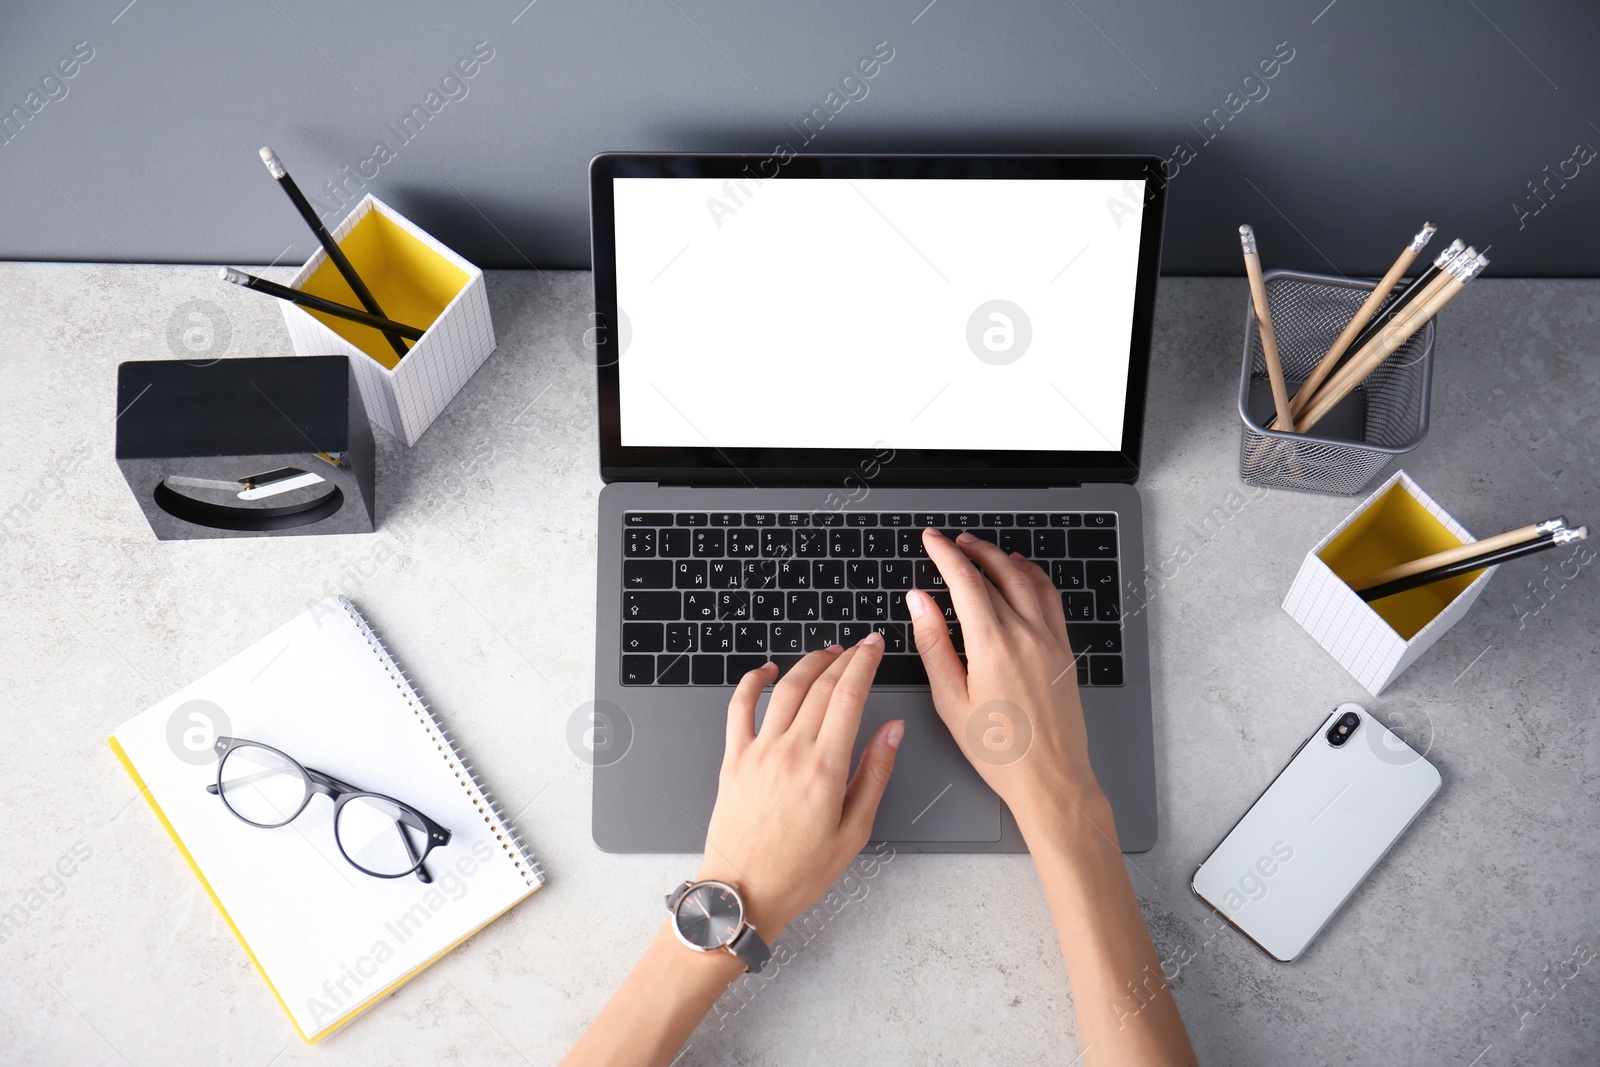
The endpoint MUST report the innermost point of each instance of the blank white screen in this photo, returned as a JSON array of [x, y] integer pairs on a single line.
[[834, 313]]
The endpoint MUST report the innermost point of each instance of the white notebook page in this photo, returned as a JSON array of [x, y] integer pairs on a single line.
[[329, 937]]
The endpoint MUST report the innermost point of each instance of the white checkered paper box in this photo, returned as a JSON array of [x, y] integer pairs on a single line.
[[418, 282], [1376, 641]]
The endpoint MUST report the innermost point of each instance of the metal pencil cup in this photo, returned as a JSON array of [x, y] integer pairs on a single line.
[[1383, 417]]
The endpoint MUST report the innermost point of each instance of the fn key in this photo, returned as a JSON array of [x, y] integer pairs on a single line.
[[638, 670]]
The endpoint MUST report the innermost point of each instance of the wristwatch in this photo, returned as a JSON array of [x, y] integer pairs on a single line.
[[709, 915]]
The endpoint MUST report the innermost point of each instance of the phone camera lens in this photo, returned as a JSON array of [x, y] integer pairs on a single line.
[[1342, 728]]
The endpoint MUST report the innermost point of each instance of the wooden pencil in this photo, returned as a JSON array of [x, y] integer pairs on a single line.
[[1394, 317], [1399, 303], [1457, 554], [1483, 561], [1383, 289], [1463, 270], [1269, 339]]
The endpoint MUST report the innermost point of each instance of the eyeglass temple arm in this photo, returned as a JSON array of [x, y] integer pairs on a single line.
[[411, 850], [244, 779]]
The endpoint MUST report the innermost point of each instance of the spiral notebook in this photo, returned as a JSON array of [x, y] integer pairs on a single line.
[[329, 939]]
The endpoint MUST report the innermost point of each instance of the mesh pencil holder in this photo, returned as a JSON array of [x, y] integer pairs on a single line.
[[1383, 417]]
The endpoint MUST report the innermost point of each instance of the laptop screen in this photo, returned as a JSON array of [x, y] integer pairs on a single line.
[[923, 315]]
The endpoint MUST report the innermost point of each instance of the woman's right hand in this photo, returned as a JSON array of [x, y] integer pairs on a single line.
[[1014, 707]]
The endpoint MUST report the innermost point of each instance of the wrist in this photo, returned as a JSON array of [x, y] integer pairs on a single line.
[[1068, 821], [718, 968]]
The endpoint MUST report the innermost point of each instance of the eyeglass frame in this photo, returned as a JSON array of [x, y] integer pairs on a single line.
[[340, 793]]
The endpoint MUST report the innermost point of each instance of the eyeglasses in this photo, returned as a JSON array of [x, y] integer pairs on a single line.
[[378, 835]]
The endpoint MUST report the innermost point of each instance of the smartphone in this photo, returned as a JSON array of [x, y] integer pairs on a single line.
[[1348, 793]]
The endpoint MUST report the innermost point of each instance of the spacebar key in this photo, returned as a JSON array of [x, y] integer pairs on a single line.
[[652, 605], [901, 670]]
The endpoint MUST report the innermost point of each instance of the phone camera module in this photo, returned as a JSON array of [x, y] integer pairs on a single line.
[[1342, 728]]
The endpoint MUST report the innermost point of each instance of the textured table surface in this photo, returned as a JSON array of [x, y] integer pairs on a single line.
[[1474, 943]]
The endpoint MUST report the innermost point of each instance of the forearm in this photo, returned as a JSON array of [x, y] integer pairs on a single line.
[[1125, 1009], [649, 1018]]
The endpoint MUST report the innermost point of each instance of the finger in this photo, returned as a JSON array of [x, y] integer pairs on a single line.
[[862, 796], [1007, 577], [1049, 597], [976, 606], [841, 721], [792, 688], [946, 675], [742, 705], [808, 719]]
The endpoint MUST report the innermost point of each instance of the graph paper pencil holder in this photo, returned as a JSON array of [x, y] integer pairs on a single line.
[[1385, 416], [1376, 641], [417, 281]]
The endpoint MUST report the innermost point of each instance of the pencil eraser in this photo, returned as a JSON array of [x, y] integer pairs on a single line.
[[270, 158]]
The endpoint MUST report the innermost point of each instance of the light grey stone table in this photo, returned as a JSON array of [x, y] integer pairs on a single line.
[[1474, 943]]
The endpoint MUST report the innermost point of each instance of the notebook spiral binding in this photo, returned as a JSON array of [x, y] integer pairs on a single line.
[[486, 803]]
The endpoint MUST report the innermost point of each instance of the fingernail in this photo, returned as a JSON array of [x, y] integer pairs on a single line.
[[935, 531], [965, 539], [897, 730], [1019, 557], [835, 648], [916, 605], [874, 638]]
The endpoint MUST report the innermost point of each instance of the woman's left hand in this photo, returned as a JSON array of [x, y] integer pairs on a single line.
[[789, 817]]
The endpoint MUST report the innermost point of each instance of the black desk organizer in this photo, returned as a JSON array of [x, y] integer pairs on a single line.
[[261, 447]]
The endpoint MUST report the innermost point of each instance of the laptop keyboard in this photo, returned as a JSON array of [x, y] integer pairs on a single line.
[[707, 596]]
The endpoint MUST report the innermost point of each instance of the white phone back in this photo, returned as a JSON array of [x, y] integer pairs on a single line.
[[1313, 836]]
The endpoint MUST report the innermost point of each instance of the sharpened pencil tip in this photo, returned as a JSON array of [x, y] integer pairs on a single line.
[[270, 158]]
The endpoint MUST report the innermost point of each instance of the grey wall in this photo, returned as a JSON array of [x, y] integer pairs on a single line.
[[1386, 114]]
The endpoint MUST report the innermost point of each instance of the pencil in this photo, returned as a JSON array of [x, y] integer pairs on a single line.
[[1417, 285], [1395, 334], [1475, 563], [1460, 552], [329, 245], [1384, 288], [1393, 316], [316, 303], [1269, 339]]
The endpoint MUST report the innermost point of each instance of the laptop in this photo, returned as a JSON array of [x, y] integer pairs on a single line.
[[805, 360]]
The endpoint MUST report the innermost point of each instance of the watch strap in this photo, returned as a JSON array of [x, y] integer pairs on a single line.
[[749, 947]]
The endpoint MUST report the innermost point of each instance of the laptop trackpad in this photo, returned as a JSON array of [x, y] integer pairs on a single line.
[[934, 794]]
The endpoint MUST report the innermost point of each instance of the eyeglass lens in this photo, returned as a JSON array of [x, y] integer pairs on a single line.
[[261, 786], [380, 837]]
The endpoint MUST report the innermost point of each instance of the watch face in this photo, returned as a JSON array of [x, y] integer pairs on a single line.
[[709, 916]]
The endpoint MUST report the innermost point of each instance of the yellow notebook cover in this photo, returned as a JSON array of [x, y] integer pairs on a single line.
[[329, 939]]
